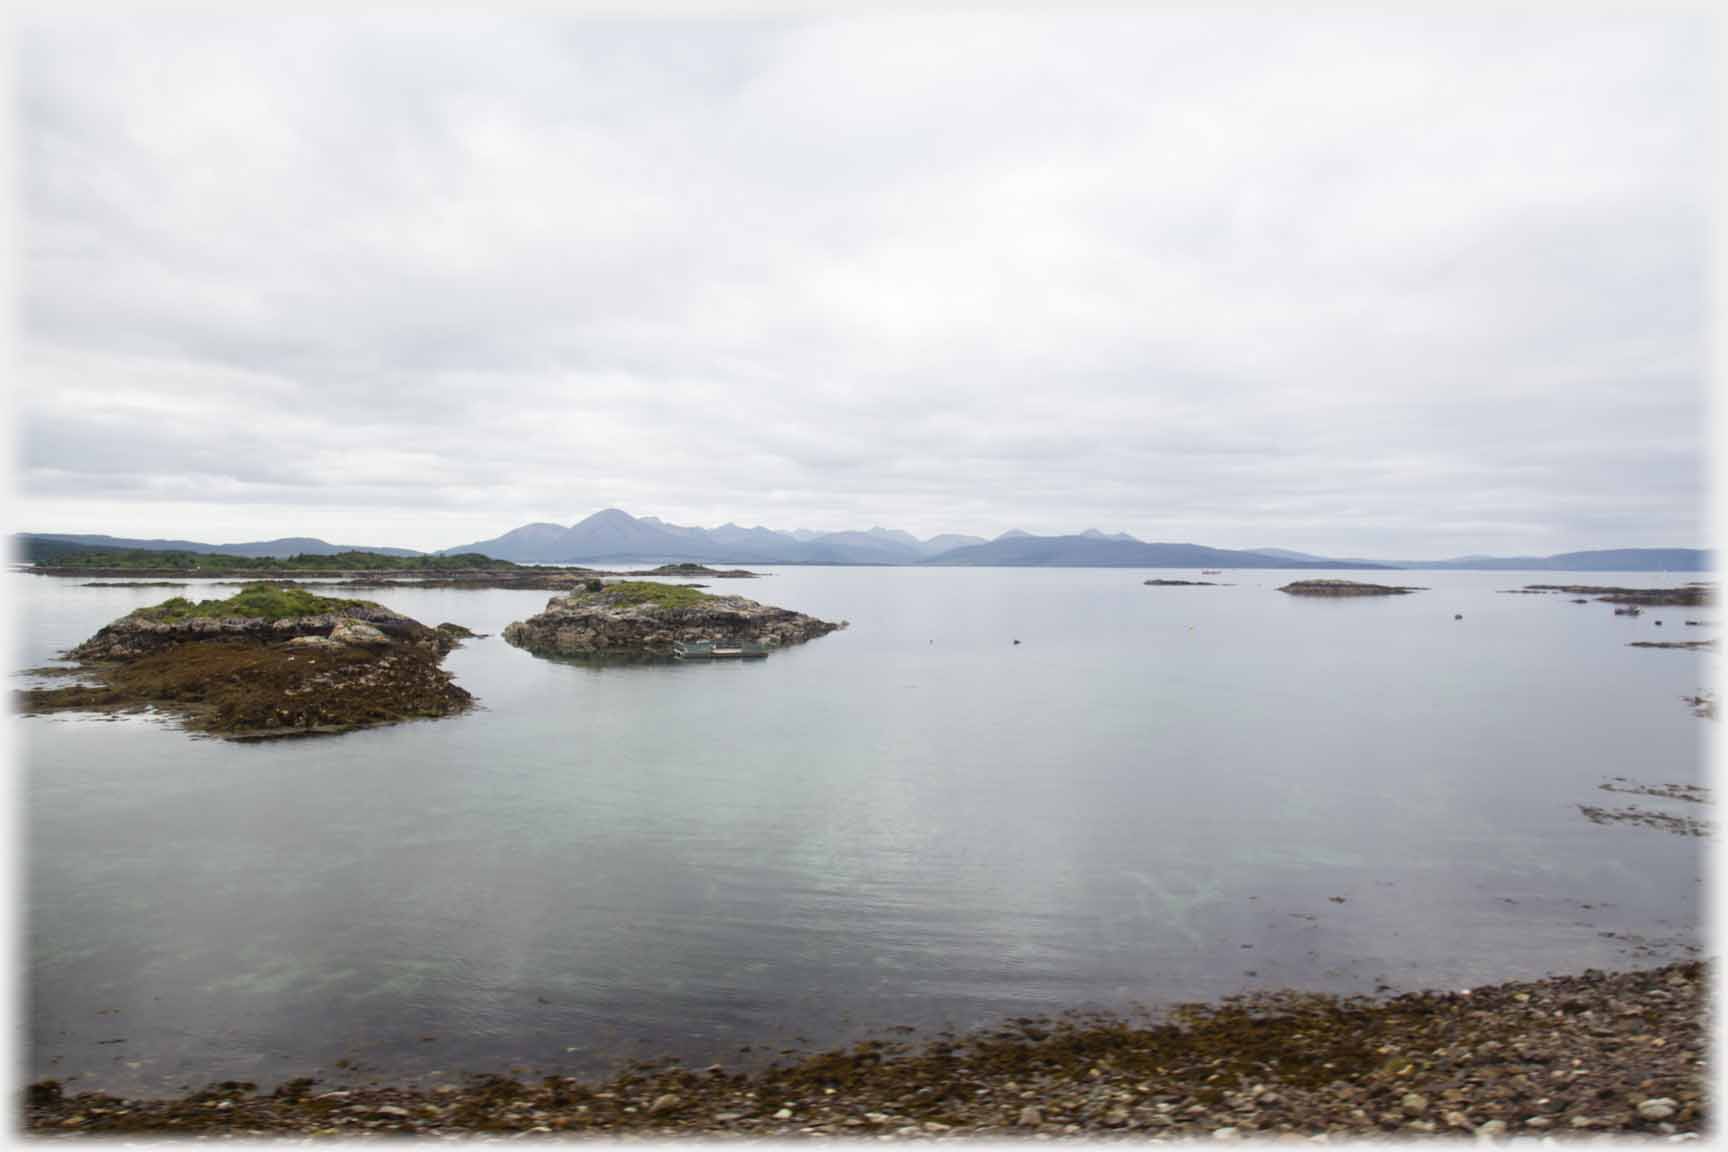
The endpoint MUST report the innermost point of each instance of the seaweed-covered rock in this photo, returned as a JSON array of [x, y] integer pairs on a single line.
[[268, 661], [647, 619]]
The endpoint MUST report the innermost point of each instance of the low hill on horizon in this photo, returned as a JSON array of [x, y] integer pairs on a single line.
[[66, 554], [286, 546], [1104, 552], [1596, 560], [1591, 560]]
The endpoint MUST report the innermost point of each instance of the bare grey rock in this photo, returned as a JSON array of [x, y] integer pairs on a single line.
[[138, 634], [359, 633], [611, 622], [314, 642]]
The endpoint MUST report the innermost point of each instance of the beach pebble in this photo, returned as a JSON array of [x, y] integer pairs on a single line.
[[1658, 1109], [1030, 1117], [1414, 1104]]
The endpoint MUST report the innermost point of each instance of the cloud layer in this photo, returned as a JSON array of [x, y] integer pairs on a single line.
[[1378, 285]]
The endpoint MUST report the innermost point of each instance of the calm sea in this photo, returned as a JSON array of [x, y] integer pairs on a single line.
[[1160, 794]]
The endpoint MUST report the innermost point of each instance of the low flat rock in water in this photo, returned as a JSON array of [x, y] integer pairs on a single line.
[[1691, 595], [1692, 793], [697, 570], [1345, 588], [267, 662], [134, 584], [520, 579], [1180, 583], [1672, 823], [543, 579], [639, 618]]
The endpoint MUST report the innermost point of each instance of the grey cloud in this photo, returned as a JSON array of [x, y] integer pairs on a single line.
[[1334, 281]]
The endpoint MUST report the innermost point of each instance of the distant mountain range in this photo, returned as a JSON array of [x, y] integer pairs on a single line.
[[613, 535]]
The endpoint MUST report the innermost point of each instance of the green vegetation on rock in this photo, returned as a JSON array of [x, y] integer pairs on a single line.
[[266, 601], [647, 592]]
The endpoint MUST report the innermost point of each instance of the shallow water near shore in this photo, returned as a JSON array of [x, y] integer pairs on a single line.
[[1161, 794]]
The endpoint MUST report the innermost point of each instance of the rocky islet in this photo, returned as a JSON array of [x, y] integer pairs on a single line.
[[645, 620], [269, 661]]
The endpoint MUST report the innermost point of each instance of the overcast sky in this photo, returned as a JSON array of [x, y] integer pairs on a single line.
[[1399, 287]]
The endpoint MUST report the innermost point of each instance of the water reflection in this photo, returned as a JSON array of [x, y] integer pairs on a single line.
[[1154, 796]]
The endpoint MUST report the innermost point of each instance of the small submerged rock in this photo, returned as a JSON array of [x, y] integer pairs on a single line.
[[456, 633]]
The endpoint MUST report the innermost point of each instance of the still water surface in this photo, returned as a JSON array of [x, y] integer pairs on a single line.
[[1158, 795]]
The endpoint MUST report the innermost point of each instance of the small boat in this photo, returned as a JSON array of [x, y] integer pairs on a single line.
[[718, 650], [1211, 572]]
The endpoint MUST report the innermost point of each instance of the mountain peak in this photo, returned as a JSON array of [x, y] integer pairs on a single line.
[[610, 515], [893, 534]]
